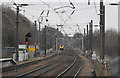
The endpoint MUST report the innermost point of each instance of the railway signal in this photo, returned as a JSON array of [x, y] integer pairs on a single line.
[[26, 41], [27, 36]]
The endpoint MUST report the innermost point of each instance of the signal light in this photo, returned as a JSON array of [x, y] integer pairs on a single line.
[[26, 42]]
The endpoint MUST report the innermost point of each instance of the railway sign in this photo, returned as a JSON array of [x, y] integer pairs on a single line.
[[22, 46], [31, 48]]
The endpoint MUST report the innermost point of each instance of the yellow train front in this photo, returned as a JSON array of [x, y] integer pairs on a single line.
[[61, 47]]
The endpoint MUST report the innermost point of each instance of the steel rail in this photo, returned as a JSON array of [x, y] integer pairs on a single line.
[[10, 68], [51, 68], [67, 68], [78, 70], [48, 70], [37, 69]]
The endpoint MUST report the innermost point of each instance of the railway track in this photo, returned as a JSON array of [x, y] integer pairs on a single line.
[[41, 70], [47, 68], [10, 68], [72, 70], [70, 64], [33, 66]]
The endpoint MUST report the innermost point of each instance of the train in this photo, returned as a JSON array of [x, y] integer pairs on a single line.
[[61, 47]]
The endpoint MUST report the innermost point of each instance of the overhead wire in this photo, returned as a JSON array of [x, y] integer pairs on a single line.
[[53, 10], [64, 31], [14, 2], [63, 7], [30, 13], [10, 19], [68, 17], [72, 4], [64, 11], [23, 10], [40, 16], [78, 28], [47, 12]]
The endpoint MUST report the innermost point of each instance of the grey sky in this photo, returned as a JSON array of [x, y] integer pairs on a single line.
[[82, 15]]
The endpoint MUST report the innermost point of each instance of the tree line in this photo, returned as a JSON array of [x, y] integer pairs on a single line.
[[111, 42]]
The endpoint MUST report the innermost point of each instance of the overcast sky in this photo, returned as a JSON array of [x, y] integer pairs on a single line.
[[82, 15]]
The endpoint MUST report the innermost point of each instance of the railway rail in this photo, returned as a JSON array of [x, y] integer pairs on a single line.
[[13, 67], [43, 69], [33, 66], [74, 69], [69, 64], [47, 68]]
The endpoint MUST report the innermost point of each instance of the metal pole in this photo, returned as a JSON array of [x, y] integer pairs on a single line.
[[17, 35], [63, 42], [45, 39], [101, 28], [103, 35], [39, 38], [87, 42], [55, 39], [84, 41], [90, 37], [35, 36], [56, 44]]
